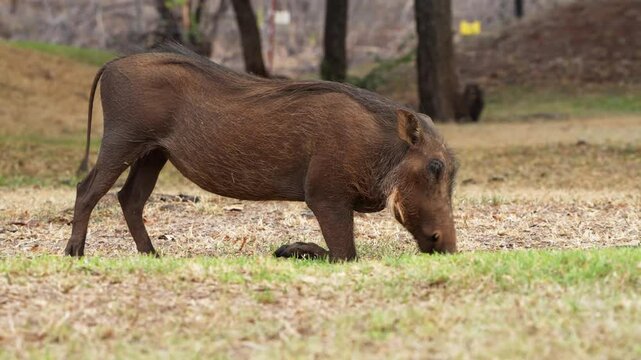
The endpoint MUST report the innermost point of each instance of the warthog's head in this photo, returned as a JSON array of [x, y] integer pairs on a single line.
[[420, 190]]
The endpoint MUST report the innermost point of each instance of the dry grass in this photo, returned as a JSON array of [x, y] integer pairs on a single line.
[[35, 221], [567, 304], [619, 130], [530, 188]]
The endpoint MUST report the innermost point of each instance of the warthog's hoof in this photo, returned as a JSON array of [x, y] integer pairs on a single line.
[[301, 250], [75, 250], [150, 253]]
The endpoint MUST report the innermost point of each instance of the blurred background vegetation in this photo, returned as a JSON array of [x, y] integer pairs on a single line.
[[548, 49], [533, 60]]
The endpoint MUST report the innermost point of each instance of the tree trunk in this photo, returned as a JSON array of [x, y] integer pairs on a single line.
[[186, 25], [249, 37], [518, 8], [197, 41], [437, 80], [138, 14], [215, 22], [334, 64], [169, 28]]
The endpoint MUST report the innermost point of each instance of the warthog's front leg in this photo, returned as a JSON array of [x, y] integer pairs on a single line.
[[336, 221]]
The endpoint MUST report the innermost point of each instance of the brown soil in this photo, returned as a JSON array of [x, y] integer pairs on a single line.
[[584, 42], [41, 93]]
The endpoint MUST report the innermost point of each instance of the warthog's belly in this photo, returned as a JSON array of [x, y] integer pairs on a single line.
[[242, 175]]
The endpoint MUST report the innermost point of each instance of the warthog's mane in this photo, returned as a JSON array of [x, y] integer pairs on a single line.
[[383, 110]]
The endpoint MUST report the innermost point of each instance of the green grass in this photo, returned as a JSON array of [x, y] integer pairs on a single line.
[[526, 103], [579, 303], [515, 269], [84, 55], [379, 74]]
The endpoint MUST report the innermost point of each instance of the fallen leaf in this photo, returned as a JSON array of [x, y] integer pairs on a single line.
[[234, 207]]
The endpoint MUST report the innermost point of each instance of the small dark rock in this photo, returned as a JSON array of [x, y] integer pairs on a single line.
[[469, 181]]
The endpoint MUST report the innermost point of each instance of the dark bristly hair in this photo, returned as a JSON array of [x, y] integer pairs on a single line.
[[384, 110]]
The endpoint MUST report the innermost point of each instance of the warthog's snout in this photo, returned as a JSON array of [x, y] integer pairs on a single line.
[[437, 240]]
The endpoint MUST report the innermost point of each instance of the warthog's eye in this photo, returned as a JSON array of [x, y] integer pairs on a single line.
[[435, 168]]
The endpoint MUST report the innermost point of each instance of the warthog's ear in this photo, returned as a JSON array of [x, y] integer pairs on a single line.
[[408, 128]]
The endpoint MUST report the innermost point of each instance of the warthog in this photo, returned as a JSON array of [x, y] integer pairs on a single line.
[[338, 148]]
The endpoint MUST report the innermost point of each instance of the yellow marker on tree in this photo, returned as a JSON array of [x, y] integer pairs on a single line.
[[470, 28]]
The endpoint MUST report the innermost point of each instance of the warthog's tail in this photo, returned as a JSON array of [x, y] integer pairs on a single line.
[[84, 165]]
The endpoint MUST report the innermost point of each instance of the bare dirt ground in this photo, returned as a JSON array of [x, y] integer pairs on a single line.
[[36, 221], [41, 93], [568, 184]]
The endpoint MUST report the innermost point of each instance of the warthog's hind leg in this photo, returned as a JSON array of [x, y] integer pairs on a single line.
[[114, 158], [134, 194]]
